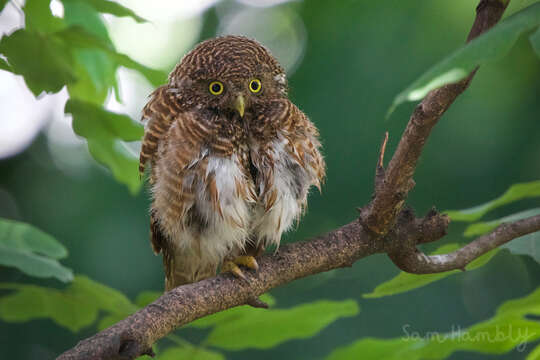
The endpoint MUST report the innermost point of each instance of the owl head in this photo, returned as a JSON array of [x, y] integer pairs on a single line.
[[229, 74]]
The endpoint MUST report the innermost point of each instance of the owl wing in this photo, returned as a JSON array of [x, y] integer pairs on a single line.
[[295, 142], [174, 145], [200, 209], [179, 159], [159, 114], [289, 163], [303, 144]]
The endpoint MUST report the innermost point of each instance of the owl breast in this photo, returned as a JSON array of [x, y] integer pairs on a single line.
[[212, 208], [204, 209], [282, 187]]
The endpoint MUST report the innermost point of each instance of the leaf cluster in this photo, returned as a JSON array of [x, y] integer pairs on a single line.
[[75, 52]]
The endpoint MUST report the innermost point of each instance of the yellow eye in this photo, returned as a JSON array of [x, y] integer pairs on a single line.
[[255, 85], [215, 88]]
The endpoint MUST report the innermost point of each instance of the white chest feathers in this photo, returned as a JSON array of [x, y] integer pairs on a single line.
[[283, 195], [225, 212]]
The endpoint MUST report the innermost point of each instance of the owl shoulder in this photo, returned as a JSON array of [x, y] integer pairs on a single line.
[[158, 115]]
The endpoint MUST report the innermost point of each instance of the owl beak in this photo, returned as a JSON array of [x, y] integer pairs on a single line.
[[239, 105]]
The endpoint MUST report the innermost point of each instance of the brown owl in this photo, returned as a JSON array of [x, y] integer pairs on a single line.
[[232, 160]]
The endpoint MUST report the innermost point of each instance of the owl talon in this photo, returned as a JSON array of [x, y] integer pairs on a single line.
[[247, 261], [230, 266]]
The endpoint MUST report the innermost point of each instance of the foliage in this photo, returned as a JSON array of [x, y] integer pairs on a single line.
[[76, 52], [80, 304], [32, 251], [509, 328], [404, 282], [515, 193], [525, 245], [266, 329], [190, 352], [481, 228], [105, 131], [74, 307], [485, 48]]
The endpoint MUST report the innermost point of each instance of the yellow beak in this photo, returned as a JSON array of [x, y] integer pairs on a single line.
[[239, 105]]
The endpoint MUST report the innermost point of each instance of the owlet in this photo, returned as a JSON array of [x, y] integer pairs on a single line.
[[232, 160]]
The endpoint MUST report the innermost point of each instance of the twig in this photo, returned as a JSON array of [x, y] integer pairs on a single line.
[[379, 171], [414, 261]]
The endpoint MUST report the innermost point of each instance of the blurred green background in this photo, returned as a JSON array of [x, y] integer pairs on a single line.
[[346, 61]]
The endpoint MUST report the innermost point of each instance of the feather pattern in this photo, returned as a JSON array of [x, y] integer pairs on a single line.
[[223, 182]]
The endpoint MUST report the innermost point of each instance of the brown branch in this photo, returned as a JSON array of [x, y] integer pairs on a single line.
[[414, 261], [383, 227], [134, 335], [380, 215]]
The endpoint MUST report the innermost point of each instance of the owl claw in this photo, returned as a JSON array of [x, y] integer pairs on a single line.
[[247, 261], [232, 266]]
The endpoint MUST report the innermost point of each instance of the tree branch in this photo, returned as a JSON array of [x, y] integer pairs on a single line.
[[384, 227], [390, 194], [414, 261]]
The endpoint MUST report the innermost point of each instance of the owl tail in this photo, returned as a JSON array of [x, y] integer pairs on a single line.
[[185, 272]]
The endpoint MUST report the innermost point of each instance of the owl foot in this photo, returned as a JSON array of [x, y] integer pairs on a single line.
[[232, 266]]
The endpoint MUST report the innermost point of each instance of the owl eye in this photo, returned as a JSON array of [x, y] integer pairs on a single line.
[[215, 87], [255, 86]]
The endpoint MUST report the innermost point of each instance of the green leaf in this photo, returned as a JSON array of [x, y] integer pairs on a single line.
[[4, 65], [192, 353], [481, 228], [229, 315], [155, 77], [487, 47], [535, 41], [39, 18], [514, 193], [123, 163], [34, 265], [103, 129], [95, 69], [375, 349], [508, 329], [32, 251], [535, 354], [94, 122], [482, 260], [404, 282], [109, 7], [54, 68], [96, 76], [74, 308], [528, 305], [76, 36], [525, 245], [263, 329], [3, 4], [31, 302], [110, 320], [102, 296], [147, 297]]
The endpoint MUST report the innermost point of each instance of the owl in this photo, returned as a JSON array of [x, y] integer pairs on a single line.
[[231, 157]]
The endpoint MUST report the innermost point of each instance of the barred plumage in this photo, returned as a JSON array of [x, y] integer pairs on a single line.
[[229, 172]]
